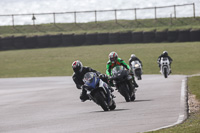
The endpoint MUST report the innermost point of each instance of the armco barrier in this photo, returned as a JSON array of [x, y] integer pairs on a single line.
[[102, 38], [7, 43], [113, 38], [125, 37], [68, 40], [31, 42], [184, 36], [195, 35], [79, 39], [43, 41], [148, 36], [172, 36], [161, 36], [91, 39], [19, 42], [137, 37], [55, 40]]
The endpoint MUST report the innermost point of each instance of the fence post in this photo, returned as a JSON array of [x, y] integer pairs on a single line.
[[155, 14], [75, 17], [13, 21], [135, 14], [115, 16], [95, 13], [54, 18], [175, 11], [194, 10]]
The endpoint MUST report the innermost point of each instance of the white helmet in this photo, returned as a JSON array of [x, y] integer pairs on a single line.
[[113, 57], [133, 55]]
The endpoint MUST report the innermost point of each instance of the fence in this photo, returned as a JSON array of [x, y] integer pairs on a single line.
[[134, 12]]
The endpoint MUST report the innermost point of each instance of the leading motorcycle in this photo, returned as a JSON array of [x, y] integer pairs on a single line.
[[123, 82], [98, 91], [165, 66]]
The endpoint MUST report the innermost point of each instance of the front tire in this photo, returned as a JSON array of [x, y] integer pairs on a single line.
[[101, 101], [165, 72], [124, 92]]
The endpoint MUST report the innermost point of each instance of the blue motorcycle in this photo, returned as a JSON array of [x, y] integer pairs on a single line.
[[98, 91]]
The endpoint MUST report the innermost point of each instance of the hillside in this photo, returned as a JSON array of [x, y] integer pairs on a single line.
[[161, 24]]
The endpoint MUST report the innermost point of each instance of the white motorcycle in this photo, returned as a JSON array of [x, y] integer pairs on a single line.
[[165, 66], [136, 67]]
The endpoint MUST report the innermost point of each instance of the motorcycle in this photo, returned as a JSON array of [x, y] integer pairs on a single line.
[[165, 67], [123, 82], [136, 67], [98, 91]]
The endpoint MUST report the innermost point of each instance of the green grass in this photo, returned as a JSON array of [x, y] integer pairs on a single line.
[[57, 61], [192, 124], [106, 26]]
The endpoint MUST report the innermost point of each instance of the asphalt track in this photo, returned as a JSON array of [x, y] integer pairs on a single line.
[[52, 105]]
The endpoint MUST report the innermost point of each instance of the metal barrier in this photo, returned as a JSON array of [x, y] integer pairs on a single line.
[[34, 16]]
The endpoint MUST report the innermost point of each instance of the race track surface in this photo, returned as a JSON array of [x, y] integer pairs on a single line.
[[52, 105]]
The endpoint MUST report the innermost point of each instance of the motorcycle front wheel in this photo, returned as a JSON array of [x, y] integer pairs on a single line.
[[101, 101]]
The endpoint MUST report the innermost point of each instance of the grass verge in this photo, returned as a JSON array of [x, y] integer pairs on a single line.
[[57, 61]]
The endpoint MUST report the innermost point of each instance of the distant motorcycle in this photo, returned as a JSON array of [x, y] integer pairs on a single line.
[[165, 67], [123, 82], [136, 67], [98, 91]]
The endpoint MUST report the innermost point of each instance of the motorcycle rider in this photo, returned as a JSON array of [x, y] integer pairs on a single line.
[[78, 75], [114, 60], [134, 58], [164, 54]]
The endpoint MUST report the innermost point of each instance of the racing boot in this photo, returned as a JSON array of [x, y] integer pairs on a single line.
[[84, 96]]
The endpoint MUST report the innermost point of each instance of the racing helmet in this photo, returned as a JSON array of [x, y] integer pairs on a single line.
[[77, 66], [165, 53], [113, 57], [133, 56]]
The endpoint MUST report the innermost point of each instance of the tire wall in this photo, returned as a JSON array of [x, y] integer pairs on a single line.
[[161, 36], [68, 40], [79, 39], [31, 42], [102, 38], [91, 39], [23, 42], [43, 41], [7, 43], [148, 37], [113, 38], [184, 36], [55, 40], [19, 42], [172, 36], [195, 35], [125, 37], [137, 37]]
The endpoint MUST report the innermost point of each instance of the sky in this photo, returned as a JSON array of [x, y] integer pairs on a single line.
[[9, 7]]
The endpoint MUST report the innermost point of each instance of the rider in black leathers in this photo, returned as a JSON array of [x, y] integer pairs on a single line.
[[164, 54], [78, 75], [134, 58]]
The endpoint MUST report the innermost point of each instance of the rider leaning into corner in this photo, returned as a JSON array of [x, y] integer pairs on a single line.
[[134, 58], [78, 75], [164, 54], [114, 60]]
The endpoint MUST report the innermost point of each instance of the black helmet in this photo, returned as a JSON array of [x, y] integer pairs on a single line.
[[165, 53], [77, 66]]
